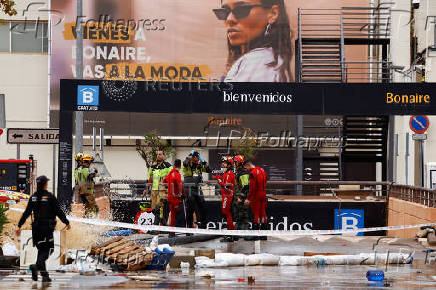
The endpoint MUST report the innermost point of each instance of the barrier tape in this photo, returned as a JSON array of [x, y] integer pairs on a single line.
[[225, 232]]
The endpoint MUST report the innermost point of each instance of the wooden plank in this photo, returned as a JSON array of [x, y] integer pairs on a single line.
[[133, 255], [98, 247], [137, 257], [125, 252], [118, 253], [132, 247], [106, 249], [117, 248]]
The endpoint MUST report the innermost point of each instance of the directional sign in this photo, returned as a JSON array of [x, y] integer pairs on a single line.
[[33, 136], [419, 124]]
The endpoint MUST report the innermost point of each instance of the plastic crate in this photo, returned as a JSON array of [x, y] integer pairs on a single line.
[[161, 260]]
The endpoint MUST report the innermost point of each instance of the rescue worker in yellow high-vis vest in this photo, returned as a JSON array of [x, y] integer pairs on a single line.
[[159, 197], [85, 183]]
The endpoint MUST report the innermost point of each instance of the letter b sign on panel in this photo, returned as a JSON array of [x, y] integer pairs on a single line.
[[87, 95], [349, 219]]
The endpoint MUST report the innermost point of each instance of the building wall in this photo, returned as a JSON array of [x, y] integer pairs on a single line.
[[400, 56], [24, 81], [401, 212], [426, 14], [31, 10], [425, 17]]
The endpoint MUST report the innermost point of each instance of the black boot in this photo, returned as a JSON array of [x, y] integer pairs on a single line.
[[34, 269], [263, 227], [255, 227], [45, 277]]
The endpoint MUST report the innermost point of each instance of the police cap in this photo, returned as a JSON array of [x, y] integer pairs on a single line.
[[42, 179]]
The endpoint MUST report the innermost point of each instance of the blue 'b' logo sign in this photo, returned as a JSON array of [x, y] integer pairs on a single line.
[[87, 95], [350, 219]]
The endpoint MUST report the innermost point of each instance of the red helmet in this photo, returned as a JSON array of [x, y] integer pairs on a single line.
[[228, 159], [239, 159]]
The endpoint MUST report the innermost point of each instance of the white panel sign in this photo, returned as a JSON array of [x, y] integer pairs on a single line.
[[33, 136]]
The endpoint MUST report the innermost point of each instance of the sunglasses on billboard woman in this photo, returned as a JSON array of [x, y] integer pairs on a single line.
[[240, 11]]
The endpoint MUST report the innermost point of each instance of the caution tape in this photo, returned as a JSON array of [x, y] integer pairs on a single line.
[[225, 232]]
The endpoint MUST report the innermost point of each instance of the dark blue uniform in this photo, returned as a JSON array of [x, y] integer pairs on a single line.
[[45, 209]]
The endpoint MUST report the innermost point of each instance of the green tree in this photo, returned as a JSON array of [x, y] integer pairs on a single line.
[[148, 147], [247, 145], [7, 7], [3, 218]]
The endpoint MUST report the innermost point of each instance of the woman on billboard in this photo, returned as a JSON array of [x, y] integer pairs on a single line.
[[259, 40]]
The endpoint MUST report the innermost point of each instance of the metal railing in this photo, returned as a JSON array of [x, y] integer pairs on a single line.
[[414, 194], [280, 189], [370, 22], [125, 189], [319, 23], [367, 71], [345, 22]]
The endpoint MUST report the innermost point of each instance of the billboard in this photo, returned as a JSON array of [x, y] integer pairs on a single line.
[[180, 41]]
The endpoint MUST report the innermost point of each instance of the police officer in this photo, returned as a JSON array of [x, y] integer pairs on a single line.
[[45, 209], [193, 168], [159, 200]]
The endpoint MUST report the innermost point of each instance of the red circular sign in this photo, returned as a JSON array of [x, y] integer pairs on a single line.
[[1, 132], [144, 217], [419, 124]]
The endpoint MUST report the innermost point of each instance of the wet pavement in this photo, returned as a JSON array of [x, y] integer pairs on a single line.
[[262, 277], [319, 244], [413, 276]]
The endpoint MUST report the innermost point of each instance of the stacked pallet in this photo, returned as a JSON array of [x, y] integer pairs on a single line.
[[125, 253]]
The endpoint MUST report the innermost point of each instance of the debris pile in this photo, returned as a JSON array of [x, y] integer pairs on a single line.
[[124, 253]]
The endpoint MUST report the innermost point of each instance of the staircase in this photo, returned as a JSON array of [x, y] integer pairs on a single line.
[[321, 168], [323, 35], [321, 61], [365, 138]]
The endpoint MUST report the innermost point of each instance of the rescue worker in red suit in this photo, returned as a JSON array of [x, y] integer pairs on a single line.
[[176, 192], [227, 183], [257, 197]]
